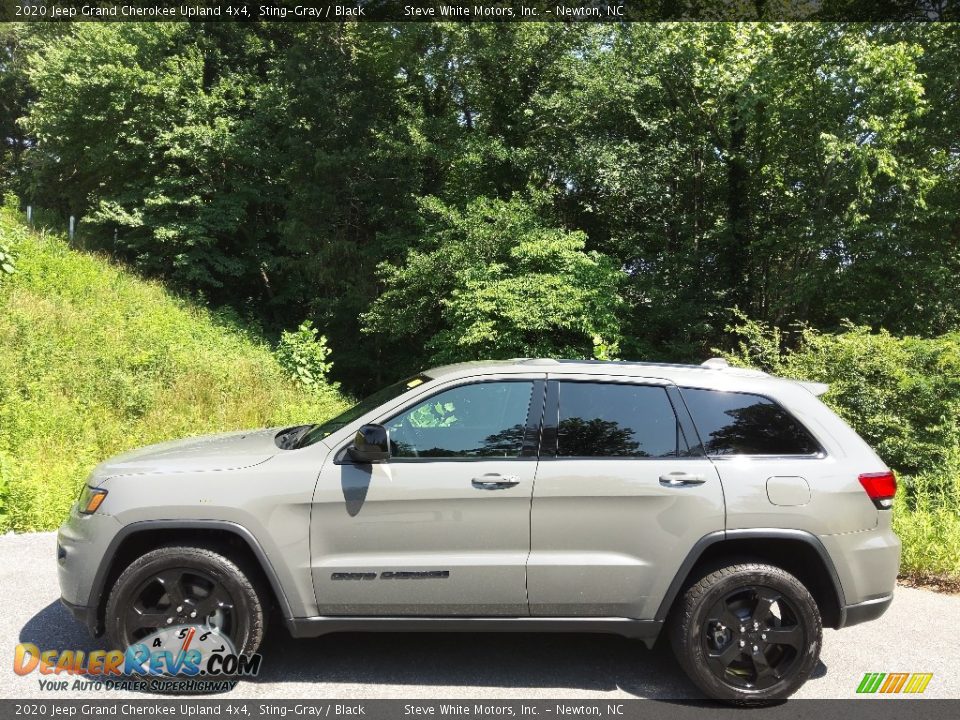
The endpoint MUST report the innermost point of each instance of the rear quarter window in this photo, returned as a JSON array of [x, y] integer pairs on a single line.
[[733, 423]]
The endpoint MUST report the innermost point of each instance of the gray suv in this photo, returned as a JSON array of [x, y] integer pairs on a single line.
[[727, 507]]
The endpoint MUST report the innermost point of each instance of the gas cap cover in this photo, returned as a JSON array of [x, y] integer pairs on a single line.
[[788, 490]]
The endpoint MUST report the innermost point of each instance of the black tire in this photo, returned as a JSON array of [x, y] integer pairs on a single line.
[[727, 656], [244, 623]]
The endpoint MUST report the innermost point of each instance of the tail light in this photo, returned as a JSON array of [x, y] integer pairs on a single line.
[[881, 487]]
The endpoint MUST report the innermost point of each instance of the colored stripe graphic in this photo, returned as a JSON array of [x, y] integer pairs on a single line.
[[918, 682], [870, 682], [893, 683]]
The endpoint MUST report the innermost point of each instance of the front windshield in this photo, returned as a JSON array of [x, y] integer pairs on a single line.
[[318, 432]]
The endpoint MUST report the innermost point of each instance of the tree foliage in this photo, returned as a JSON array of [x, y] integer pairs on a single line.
[[900, 394], [492, 281], [799, 172]]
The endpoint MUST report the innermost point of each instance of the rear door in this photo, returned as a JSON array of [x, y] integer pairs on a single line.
[[623, 491]]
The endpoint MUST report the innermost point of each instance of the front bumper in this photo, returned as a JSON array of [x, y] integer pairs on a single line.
[[82, 543], [84, 614]]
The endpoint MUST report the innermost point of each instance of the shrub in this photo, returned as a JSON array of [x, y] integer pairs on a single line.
[[902, 395], [7, 266], [304, 355]]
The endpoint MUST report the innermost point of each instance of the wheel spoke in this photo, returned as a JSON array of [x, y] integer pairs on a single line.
[[172, 582], [792, 636], [721, 661], [762, 610], [209, 605], [722, 613], [729, 618], [762, 667], [140, 619]]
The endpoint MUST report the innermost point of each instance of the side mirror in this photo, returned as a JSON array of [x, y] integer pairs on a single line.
[[371, 445]]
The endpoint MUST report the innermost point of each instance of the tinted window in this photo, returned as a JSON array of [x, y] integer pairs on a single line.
[[743, 424], [604, 419], [480, 420]]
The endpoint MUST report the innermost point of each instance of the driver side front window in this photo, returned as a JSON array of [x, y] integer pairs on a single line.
[[486, 419]]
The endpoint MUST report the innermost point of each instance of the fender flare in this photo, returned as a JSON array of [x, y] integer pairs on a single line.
[[749, 534], [97, 589]]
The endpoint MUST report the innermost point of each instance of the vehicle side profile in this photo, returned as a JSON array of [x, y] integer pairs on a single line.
[[729, 509]]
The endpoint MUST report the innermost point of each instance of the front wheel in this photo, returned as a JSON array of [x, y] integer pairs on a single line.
[[748, 633], [176, 586]]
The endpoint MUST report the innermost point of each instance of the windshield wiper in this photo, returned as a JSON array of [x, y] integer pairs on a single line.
[[290, 438]]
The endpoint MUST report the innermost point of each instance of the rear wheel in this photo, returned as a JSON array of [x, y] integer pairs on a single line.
[[747, 633], [173, 586]]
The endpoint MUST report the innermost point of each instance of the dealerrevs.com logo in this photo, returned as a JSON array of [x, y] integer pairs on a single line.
[[890, 683], [177, 659]]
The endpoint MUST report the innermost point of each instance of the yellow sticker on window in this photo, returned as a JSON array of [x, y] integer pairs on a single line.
[[413, 383]]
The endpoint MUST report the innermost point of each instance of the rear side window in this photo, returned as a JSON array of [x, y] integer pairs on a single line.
[[611, 420], [742, 424]]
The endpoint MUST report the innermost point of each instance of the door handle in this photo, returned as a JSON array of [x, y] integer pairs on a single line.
[[681, 479], [495, 481]]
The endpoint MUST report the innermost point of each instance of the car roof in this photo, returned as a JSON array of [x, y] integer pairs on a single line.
[[713, 373]]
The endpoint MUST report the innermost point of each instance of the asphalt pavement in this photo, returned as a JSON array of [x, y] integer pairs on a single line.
[[917, 634]]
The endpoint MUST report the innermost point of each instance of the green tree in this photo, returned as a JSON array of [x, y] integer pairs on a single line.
[[795, 171], [494, 281], [738, 165], [153, 134], [14, 96]]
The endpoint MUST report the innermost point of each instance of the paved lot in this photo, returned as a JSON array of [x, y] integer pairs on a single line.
[[917, 634]]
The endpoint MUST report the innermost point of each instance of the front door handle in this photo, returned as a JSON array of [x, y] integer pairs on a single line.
[[681, 479], [495, 481]]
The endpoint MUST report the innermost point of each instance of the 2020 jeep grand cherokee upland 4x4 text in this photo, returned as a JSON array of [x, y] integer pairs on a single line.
[[731, 508]]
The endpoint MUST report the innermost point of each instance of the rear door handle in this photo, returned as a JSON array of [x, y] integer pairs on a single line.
[[681, 479], [495, 481]]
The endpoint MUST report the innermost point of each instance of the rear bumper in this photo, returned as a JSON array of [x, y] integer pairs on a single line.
[[865, 611], [867, 563]]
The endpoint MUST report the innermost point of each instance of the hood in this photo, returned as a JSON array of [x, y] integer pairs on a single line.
[[210, 453]]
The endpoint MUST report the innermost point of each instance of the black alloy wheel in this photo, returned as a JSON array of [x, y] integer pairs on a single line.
[[752, 638], [181, 585], [748, 633], [178, 596]]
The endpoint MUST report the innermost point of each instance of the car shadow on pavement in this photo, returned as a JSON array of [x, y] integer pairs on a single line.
[[442, 664], [600, 663], [436, 661], [55, 628]]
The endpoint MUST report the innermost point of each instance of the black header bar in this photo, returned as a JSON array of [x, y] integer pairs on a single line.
[[460, 11]]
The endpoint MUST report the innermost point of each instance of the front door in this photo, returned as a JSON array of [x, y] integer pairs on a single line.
[[443, 527], [623, 491]]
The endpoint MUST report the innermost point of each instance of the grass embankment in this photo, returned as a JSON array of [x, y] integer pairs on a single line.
[[95, 360]]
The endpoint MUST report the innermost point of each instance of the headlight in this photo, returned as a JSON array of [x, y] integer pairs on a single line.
[[91, 498]]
